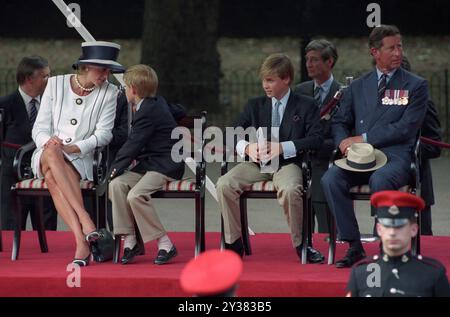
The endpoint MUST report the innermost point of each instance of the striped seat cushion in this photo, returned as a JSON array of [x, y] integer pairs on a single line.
[[365, 189], [185, 185], [39, 183], [264, 186]]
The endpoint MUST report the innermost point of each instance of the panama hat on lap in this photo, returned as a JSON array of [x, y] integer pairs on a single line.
[[362, 157]]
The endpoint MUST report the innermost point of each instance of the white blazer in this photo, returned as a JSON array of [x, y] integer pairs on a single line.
[[85, 121]]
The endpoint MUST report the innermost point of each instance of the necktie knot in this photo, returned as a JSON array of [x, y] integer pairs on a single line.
[[32, 113]]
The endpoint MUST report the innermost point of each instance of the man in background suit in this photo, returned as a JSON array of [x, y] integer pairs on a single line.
[[20, 111], [321, 56], [384, 108], [431, 128], [297, 120]]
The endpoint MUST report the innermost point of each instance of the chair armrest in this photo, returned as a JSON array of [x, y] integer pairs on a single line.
[[307, 169], [100, 168], [335, 155], [22, 161]]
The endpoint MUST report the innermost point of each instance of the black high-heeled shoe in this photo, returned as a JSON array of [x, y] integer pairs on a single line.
[[82, 262]]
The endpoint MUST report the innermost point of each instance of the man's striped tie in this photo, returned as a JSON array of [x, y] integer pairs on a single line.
[[32, 111], [276, 114], [382, 86], [317, 96]]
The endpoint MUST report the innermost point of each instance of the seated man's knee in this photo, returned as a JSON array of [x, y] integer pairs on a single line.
[[379, 182], [116, 185], [134, 196]]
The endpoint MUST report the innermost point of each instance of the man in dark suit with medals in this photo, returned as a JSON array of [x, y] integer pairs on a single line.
[[384, 108]]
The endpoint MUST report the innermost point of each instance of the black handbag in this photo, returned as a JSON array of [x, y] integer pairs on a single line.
[[103, 248]]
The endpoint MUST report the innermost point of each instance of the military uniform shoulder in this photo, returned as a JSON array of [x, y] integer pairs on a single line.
[[429, 262]]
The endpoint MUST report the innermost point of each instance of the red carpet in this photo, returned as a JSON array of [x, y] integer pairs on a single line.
[[273, 269]]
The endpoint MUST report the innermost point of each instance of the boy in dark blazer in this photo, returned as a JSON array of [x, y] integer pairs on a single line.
[[149, 145], [296, 118]]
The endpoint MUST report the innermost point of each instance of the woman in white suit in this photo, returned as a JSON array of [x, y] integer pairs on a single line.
[[76, 115]]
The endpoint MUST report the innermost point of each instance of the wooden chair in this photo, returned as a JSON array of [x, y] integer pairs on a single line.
[[185, 189], [266, 190], [363, 192], [30, 186]]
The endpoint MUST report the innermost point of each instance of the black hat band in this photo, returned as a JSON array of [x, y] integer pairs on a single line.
[[361, 166], [99, 52]]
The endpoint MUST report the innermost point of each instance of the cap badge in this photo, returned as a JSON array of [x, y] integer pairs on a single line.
[[393, 210]]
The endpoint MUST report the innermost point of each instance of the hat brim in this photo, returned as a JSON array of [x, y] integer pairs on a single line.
[[113, 66], [393, 222], [380, 161]]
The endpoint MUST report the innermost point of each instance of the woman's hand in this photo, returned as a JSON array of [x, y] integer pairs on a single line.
[[54, 140]]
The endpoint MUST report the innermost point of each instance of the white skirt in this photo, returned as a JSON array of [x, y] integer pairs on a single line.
[[74, 159]]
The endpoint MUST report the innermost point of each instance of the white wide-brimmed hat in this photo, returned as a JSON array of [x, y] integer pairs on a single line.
[[100, 53], [362, 157]]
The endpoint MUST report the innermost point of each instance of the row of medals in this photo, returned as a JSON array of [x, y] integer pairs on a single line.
[[403, 101]]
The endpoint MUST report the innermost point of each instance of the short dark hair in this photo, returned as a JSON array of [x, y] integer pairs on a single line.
[[28, 65], [326, 49], [380, 32]]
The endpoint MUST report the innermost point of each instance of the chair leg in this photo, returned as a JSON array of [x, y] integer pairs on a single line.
[[415, 242], [244, 226], [139, 239], [306, 228], [17, 207], [103, 200], [117, 247], [198, 221], [202, 225], [95, 206], [222, 234], [40, 225], [331, 238]]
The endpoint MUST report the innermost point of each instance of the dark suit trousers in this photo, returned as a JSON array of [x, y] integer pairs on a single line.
[[337, 182]]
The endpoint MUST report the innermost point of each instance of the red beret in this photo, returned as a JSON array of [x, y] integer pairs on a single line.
[[212, 272]]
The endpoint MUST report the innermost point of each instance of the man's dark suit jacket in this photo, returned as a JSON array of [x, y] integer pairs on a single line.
[[16, 130], [322, 157], [150, 141], [392, 129], [300, 123]]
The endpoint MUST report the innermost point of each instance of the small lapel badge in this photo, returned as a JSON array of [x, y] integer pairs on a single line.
[[296, 118]]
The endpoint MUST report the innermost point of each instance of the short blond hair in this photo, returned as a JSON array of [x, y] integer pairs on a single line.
[[143, 79], [277, 64]]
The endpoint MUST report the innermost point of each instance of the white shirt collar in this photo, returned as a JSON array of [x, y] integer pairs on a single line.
[[389, 75], [283, 100], [26, 98], [139, 104]]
